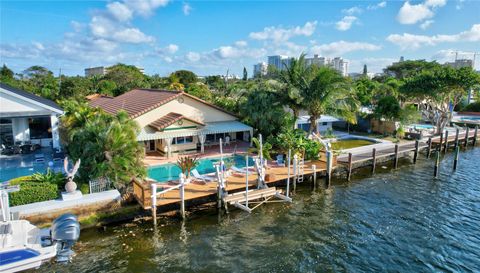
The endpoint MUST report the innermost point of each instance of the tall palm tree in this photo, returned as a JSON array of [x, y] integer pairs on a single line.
[[295, 78], [329, 93]]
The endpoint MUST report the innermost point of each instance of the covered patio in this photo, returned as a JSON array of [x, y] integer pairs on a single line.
[[165, 145]]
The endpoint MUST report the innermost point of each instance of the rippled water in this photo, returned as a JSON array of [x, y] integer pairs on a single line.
[[397, 221]]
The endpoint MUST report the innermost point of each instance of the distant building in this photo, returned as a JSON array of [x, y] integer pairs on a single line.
[[260, 69], [102, 70], [318, 61], [340, 65], [95, 71], [279, 62], [460, 63]]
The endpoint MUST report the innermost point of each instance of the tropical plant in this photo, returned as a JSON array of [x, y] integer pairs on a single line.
[[329, 93], [187, 164], [125, 77], [49, 177], [106, 144], [266, 148]]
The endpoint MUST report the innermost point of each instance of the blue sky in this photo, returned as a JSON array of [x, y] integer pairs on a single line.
[[209, 37]]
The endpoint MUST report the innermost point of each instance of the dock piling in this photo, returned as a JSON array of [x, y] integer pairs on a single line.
[[246, 181], [415, 155], [475, 136], [429, 149], [154, 203], [295, 170], [466, 137], [288, 172], [349, 174], [437, 164], [374, 159], [440, 145], [314, 171], [445, 148], [395, 162], [456, 137], [329, 167], [182, 196], [455, 161]]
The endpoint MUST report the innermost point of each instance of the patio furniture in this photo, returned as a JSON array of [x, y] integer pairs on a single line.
[[39, 158], [280, 161], [204, 178], [58, 156], [240, 170]]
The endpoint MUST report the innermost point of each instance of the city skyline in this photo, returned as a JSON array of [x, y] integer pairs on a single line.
[[211, 37]]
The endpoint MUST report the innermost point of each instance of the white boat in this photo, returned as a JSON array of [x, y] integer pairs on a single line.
[[24, 246]]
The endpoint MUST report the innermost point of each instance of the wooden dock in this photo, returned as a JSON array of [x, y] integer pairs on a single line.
[[197, 193]]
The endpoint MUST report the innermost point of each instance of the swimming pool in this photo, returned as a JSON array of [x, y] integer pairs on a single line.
[[170, 171], [422, 126]]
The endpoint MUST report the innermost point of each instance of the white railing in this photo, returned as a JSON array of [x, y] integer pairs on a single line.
[[155, 194]]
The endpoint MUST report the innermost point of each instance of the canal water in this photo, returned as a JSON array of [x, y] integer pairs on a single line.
[[400, 220]]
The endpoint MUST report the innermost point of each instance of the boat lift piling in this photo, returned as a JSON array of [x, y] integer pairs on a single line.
[[288, 172], [466, 137], [415, 155], [314, 176], [456, 137], [437, 164], [475, 135], [374, 159], [446, 142], [154, 203], [455, 161], [429, 149]]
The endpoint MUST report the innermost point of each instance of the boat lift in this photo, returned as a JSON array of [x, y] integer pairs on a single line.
[[256, 197]]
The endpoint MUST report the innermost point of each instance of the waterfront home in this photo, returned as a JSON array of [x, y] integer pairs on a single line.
[[324, 123], [27, 118], [174, 121]]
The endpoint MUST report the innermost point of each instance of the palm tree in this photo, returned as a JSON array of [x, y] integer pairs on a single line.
[[329, 93], [295, 78]]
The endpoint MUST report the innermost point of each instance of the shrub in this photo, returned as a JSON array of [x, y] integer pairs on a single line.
[[31, 192], [472, 107], [49, 177], [18, 180], [84, 188]]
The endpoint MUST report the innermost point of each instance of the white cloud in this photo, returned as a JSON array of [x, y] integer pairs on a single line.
[[426, 24], [448, 55], [342, 47], [193, 56], [145, 7], [172, 48], [77, 26], [377, 6], [412, 41], [131, 35], [459, 4], [345, 23], [186, 8], [374, 65], [120, 11], [352, 10], [411, 14], [241, 43], [280, 34]]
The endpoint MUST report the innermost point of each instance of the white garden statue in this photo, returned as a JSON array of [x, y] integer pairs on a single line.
[[71, 186]]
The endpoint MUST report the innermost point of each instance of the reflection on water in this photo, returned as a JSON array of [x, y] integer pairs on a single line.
[[398, 220]]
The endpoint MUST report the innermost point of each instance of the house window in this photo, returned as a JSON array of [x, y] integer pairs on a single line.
[[183, 140], [40, 128], [6, 132], [324, 123]]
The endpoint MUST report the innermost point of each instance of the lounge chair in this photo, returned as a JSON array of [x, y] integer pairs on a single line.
[[280, 161], [240, 170], [204, 178]]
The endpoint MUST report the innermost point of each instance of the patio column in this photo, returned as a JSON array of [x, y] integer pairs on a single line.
[[202, 138], [251, 137], [55, 134], [169, 147]]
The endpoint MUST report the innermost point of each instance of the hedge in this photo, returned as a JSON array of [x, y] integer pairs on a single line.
[[472, 107], [31, 192]]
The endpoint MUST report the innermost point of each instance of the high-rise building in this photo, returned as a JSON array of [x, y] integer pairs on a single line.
[[460, 63], [340, 65], [260, 69], [318, 61], [102, 70], [279, 62]]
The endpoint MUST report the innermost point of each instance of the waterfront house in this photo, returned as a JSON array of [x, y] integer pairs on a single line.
[[27, 118], [174, 121]]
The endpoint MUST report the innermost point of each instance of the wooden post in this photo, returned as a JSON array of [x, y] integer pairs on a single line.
[[246, 183], [456, 137], [415, 155], [349, 174], [295, 170], [154, 203], [329, 167], [466, 137], [314, 175], [395, 162], [374, 159], [455, 161], [437, 164], [446, 142], [429, 150], [219, 189], [475, 136], [441, 141], [182, 195], [288, 172]]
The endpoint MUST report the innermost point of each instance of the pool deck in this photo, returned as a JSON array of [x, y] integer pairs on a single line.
[[198, 193]]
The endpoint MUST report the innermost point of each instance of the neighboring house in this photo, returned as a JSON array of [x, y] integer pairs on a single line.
[[174, 121], [324, 123], [25, 117]]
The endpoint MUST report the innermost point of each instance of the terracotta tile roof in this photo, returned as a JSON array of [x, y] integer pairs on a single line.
[[170, 119], [135, 102]]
